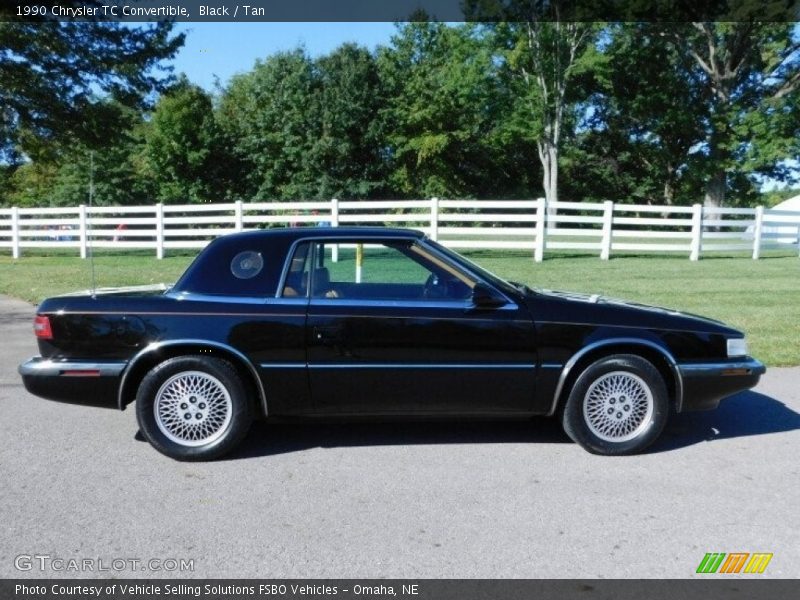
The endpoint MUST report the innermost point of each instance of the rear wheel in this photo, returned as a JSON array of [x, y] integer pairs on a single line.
[[193, 407], [618, 405]]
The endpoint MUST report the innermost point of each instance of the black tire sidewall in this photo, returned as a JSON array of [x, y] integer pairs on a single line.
[[222, 370], [575, 424]]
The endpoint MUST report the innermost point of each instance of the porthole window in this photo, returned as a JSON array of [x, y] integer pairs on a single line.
[[247, 264]]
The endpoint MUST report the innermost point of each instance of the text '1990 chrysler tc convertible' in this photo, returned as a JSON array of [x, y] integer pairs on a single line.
[[374, 322]]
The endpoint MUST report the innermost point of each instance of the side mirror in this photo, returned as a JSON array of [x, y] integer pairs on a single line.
[[484, 296]]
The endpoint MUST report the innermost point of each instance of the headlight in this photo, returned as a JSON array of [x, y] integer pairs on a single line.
[[737, 347]]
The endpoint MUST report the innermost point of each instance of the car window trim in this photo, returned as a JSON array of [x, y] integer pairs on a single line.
[[511, 304], [322, 239]]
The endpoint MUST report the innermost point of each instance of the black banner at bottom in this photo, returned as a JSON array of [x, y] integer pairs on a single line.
[[405, 589]]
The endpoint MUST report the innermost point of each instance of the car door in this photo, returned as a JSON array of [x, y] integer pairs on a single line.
[[392, 329]]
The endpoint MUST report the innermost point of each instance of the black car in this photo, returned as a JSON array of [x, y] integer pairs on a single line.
[[354, 322]]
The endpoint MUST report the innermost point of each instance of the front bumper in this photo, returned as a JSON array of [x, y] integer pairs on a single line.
[[77, 382], [706, 383]]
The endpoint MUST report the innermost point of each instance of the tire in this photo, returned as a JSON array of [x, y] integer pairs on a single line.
[[194, 408], [618, 405]]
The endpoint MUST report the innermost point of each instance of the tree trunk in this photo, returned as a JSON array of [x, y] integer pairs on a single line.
[[715, 189], [548, 156], [669, 186]]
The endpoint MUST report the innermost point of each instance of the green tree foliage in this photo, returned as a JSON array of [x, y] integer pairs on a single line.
[[348, 153], [644, 121], [182, 154], [632, 112], [53, 73], [544, 58], [269, 120], [303, 128], [442, 111], [749, 74], [115, 167]]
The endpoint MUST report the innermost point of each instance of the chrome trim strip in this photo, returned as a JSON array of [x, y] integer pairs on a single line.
[[264, 315], [752, 365], [461, 304], [615, 341], [195, 342], [395, 366], [619, 326], [331, 315], [420, 366], [47, 367]]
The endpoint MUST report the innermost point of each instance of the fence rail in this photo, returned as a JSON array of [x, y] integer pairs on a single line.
[[602, 228]]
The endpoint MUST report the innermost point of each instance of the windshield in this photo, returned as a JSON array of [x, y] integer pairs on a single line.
[[471, 266]]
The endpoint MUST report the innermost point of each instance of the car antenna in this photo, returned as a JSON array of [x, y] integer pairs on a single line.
[[89, 219]]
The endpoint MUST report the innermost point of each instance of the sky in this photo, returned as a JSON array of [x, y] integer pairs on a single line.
[[220, 50]]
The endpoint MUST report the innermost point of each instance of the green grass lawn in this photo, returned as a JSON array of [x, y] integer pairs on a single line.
[[760, 297]]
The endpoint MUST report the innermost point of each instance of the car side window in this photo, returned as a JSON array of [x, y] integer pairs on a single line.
[[393, 271]]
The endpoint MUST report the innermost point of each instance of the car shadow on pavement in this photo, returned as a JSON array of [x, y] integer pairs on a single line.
[[266, 439], [745, 414]]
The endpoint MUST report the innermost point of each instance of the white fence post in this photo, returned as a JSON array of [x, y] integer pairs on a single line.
[[541, 229], [239, 216], [434, 219], [335, 223], [15, 232], [757, 229], [334, 212], [608, 220], [83, 230], [798, 240], [159, 231], [697, 232]]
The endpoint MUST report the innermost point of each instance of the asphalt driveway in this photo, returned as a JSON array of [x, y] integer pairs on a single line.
[[388, 500]]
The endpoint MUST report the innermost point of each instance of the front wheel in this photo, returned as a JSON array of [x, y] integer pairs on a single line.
[[193, 407], [618, 405]]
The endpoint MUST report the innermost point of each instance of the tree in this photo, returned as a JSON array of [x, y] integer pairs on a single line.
[[115, 168], [545, 57], [441, 111], [52, 75], [303, 128], [544, 48], [269, 122], [646, 117], [347, 153], [751, 75], [182, 150]]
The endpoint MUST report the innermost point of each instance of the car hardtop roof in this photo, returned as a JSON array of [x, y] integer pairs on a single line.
[[292, 233]]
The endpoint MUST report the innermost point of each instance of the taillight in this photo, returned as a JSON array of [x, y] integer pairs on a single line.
[[41, 327]]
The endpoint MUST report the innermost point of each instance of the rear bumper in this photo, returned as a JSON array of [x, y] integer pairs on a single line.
[[77, 382], [705, 384]]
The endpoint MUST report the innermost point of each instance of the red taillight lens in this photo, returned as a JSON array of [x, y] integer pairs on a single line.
[[41, 327]]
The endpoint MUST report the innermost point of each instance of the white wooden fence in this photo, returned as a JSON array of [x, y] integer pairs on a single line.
[[603, 228]]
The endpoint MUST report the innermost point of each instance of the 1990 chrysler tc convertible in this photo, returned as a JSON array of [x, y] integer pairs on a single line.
[[344, 322]]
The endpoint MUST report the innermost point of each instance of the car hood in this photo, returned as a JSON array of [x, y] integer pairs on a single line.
[[591, 308]]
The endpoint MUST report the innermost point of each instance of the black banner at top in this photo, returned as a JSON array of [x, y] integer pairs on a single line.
[[400, 10]]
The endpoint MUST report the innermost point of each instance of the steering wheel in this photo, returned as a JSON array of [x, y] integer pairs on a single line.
[[435, 287]]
